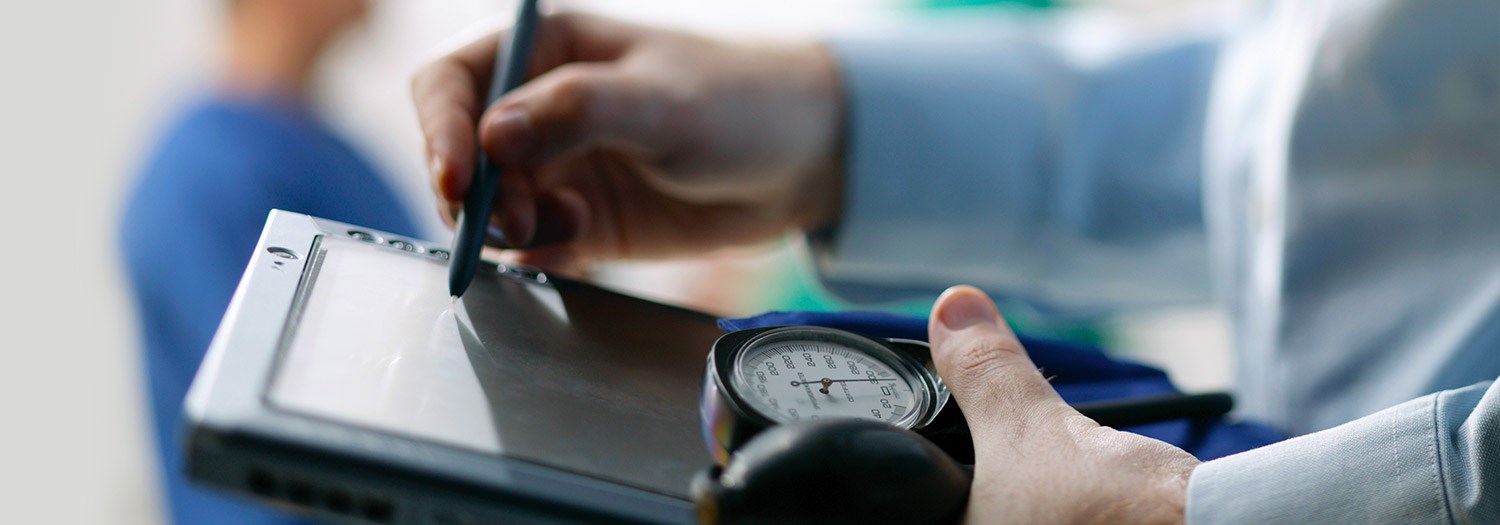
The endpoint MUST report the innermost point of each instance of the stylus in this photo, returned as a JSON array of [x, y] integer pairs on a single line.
[[474, 220]]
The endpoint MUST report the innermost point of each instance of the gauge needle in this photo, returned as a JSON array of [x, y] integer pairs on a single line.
[[826, 382]]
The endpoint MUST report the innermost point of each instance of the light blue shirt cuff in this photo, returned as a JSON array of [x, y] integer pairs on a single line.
[[1429, 460]]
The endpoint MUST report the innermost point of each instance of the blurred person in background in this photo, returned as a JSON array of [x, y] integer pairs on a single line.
[[1328, 169], [250, 144]]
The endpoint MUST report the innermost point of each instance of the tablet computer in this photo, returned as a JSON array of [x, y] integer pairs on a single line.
[[344, 382]]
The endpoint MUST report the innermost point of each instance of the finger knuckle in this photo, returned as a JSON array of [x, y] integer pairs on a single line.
[[566, 20], [984, 359], [424, 75], [582, 102], [574, 92]]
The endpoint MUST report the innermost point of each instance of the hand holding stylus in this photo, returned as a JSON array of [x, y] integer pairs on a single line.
[[631, 142]]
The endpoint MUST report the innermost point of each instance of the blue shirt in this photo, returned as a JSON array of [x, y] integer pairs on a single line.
[[187, 233]]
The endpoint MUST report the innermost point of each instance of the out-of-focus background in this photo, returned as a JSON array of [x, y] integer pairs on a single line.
[[85, 88]]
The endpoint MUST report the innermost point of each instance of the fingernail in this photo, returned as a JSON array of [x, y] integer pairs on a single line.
[[511, 131], [962, 307]]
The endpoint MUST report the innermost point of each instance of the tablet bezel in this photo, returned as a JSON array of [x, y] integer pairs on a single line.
[[235, 439]]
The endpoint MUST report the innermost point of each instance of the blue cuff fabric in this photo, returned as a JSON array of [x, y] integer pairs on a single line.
[[1429, 460], [1081, 373]]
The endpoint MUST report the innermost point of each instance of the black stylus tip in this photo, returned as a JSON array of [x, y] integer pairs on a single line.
[[458, 282]]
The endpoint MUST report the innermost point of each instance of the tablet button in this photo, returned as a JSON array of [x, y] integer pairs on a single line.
[[362, 236], [282, 252], [402, 245], [526, 272]]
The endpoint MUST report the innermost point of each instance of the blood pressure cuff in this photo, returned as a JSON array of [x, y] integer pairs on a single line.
[[1080, 373]]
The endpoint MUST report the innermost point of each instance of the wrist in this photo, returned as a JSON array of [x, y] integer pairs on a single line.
[[1164, 501], [1172, 498], [1143, 480]]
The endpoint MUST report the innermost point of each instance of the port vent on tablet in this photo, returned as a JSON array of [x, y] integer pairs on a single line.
[[376, 508], [300, 492], [333, 498], [338, 500], [262, 483]]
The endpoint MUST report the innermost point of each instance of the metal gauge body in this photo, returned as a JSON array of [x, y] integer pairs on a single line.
[[767, 376]]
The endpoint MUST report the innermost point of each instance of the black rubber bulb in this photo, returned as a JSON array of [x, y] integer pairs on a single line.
[[833, 471]]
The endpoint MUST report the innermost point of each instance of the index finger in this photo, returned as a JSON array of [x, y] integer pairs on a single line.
[[448, 99]]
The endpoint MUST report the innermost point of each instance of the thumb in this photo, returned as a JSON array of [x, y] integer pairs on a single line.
[[983, 364], [572, 108]]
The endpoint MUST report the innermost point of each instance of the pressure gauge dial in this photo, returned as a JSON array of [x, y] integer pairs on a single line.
[[762, 377], [790, 375]]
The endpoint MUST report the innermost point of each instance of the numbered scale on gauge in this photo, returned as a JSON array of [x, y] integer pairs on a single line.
[[793, 374], [814, 380], [761, 377]]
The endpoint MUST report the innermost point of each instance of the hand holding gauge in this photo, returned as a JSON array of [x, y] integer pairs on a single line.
[[794, 414]]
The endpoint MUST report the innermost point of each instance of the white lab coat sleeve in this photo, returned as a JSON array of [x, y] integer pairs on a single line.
[[1435, 459], [1009, 159]]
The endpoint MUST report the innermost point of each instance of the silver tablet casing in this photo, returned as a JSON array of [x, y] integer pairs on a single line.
[[235, 441]]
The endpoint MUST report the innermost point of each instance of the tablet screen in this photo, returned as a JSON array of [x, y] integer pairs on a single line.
[[556, 373]]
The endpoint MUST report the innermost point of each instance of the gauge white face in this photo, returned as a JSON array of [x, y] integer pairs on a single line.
[[791, 380]]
